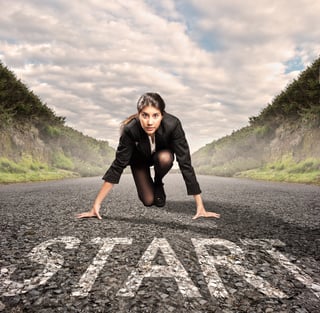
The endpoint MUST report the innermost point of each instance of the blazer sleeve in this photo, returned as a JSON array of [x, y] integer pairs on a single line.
[[181, 149], [122, 159]]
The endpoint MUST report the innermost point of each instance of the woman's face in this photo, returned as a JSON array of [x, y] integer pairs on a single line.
[[150, 119]]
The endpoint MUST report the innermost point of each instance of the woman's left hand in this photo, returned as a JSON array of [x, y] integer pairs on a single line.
[[94, 212], [201, 211], [204, 213]]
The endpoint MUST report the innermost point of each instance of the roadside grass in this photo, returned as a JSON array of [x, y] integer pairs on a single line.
[[229, 169], [283, 170], [287, 170], [32, 176], [28, 169]]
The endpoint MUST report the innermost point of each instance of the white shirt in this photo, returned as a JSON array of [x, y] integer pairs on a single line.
[[152, 145]]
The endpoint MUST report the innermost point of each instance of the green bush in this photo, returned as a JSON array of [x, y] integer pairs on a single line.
[[286, 169], [9, 166], [263, 131], [52, 131], [26, 164], [62, 161], [285, 162], [306, 166]]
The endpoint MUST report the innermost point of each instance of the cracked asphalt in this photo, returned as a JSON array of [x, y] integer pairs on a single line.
[[262, 255]]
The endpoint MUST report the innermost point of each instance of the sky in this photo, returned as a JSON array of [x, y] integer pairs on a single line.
[[215, 62]]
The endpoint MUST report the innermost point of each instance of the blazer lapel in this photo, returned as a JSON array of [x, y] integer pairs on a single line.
[[159, 136], [144, 145]]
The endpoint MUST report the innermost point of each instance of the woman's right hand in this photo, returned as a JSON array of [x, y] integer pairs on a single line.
[[94, 212]]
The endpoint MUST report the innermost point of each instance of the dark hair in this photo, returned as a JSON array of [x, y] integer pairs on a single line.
[[148, 99]]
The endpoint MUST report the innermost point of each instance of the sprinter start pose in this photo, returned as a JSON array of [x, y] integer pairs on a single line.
[[151, 137]]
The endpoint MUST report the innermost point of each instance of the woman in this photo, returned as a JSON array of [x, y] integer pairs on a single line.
[[151, 138]]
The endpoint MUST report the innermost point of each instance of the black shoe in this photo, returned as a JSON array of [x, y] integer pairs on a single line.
[[159, 195]]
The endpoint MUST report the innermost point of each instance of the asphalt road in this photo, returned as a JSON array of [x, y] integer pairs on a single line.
[[262, 255]]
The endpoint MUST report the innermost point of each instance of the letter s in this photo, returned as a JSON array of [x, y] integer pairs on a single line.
[[40, 254]]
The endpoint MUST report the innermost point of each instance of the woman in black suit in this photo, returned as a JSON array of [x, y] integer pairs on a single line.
[[151, 138]]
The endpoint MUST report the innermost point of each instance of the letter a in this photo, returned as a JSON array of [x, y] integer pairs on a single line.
[[173, 269]]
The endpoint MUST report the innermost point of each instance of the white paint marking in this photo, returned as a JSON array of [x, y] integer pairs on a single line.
[[268, 245], [88, 278], [173, 269], [52, 261], [145, 268], [233, 262], [207, 263]]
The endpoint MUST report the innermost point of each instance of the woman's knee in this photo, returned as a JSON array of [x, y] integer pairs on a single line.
[[164, 158], [147, 201]]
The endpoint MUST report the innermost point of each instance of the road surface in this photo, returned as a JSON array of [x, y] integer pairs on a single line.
[[262, 255]]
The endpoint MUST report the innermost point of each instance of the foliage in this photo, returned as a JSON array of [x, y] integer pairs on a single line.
[[62, 161], [288, 164], [43, 175], [311, 115], [263, 131], [27, 163], [17, 103], [299, 100], [287, 170], [52, 131], [33, 139], [229, 168]]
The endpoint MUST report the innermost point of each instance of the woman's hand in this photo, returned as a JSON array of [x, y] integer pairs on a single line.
[[94, 212], [201, 211], [204, 213]]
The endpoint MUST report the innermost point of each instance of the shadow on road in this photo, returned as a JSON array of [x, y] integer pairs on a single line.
[[235, 223]]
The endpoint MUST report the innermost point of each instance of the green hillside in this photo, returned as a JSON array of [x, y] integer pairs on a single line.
[[35, 143], [281, 143]]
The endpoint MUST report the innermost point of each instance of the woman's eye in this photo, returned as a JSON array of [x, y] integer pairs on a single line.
[[155, 115]]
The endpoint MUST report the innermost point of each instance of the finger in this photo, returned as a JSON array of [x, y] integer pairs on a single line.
[[196, 216], [96, 213], [206, 214], [81, 215], [212, 214]]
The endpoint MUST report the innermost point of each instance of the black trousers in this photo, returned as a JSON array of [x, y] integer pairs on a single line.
[[162, 161]]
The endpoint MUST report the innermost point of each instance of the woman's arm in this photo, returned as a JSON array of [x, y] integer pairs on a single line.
[[182, 152], [112, 176], [94, 212], [201, 211]]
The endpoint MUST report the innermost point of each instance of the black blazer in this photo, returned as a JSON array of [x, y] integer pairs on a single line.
[[134, 145]]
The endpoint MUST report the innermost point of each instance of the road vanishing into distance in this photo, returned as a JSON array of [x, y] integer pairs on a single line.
[[262, 255]]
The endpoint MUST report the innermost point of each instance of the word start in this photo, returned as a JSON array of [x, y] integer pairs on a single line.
[[146, 268]]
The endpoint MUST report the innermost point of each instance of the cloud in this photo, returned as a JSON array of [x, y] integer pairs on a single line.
[[214, 62]]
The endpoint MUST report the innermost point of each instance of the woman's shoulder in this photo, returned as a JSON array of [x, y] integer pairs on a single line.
[[170, 121], [133, 123], [132, 128]]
